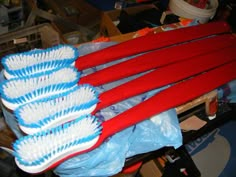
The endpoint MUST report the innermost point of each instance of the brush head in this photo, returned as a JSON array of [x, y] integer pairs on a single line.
[[17, 92], [35, 62], [80, 101], [38, 152]]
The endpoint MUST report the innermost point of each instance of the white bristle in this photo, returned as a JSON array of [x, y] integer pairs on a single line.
[[38, 61], [36, 147], [13, 90], [16, 88], [34, 153], [28, 59], [62, 109]]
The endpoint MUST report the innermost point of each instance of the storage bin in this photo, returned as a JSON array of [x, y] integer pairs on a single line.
[[186, 10]]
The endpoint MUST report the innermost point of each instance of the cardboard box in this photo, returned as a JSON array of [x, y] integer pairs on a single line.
[[151, 169], [77, 11], [124, 175], [109, 18]]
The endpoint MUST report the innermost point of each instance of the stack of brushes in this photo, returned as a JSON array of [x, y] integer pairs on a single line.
[[55, 107]]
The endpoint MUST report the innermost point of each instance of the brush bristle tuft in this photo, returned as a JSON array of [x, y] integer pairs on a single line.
[[35, 62], [46, 146], [81, 100], [16, 92]]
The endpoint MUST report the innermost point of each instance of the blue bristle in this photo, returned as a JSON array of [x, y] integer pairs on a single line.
[[28, 69], [58, 149], [46, 120], [22, 99]]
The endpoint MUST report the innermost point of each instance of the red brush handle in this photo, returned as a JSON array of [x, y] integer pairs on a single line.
[[169, 98], [166, 75], [158, 58], [150, 42]]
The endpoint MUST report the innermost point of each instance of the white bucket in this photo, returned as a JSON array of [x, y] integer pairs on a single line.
[[186, 10]]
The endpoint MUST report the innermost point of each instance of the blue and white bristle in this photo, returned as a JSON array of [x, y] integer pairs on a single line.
[[62, 109], [16, 92], [35, 62], [49, 105], [35, 153]]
